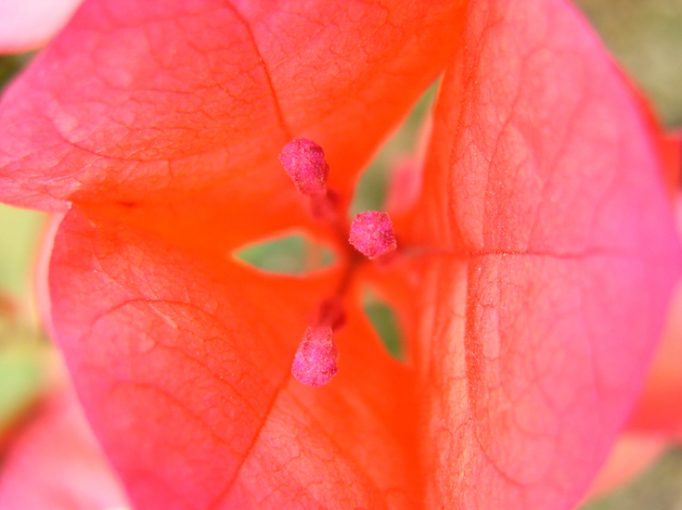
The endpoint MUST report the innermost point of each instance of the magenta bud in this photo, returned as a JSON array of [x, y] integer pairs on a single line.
[[315, 360], [371, 233], [304, 162]]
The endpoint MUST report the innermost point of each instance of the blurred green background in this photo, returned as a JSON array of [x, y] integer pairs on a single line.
[[644, 35], [646, 38]]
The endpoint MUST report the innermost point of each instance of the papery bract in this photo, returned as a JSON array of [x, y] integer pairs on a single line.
[[656, 421], [656, 411], [180, 107], [184, 366], [542, 248], [213, 340], [545, 188]]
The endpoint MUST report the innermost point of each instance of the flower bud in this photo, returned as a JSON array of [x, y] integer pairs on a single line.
[[371, 233], [315, 360], [304, 162]]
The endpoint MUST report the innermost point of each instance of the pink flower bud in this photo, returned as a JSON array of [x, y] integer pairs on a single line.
[[315, 360], [303, 161], [371, 233]]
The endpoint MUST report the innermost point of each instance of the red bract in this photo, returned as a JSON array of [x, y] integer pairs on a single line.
[[654, 413], [533, 278], [656, 421]]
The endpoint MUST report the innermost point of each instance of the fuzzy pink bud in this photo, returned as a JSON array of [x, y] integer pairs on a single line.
[[315, 360], [371, 233], [304, 162]]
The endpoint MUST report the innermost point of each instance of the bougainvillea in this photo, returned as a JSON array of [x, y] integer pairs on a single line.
[[532, 268]]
